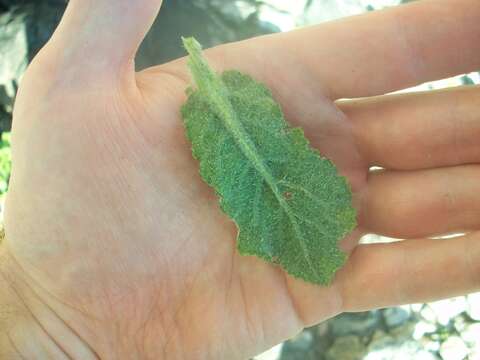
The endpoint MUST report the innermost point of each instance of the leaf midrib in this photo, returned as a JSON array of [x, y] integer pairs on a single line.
[[241, 137], [212, 86]]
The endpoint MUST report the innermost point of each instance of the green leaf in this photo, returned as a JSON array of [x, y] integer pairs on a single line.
[[289, 203]]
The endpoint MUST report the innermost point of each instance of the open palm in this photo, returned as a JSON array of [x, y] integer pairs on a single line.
[[112, 229]]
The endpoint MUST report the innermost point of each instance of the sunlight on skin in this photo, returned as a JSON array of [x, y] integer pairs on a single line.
[[125, 253]]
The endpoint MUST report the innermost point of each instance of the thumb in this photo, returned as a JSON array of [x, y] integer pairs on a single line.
[[103, 33]]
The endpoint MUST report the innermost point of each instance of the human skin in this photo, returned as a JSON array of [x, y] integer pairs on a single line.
[[116, 249]]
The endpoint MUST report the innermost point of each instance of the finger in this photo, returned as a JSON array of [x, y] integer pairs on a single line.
[[103, 33], [422, 203], [392, 49], [411, 271], [418, 130], [361, 56]]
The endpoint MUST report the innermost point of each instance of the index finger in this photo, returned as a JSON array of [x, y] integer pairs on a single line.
[[392, 49], [366, 55]]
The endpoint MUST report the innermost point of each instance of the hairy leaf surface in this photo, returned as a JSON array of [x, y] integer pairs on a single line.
[[289, 203]]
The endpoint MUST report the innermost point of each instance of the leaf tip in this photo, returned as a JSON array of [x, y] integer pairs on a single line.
[[191, 45]]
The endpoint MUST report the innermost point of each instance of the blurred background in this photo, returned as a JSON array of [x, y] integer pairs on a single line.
[[448, 329]]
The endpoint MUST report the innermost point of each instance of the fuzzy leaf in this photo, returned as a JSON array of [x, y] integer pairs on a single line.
[[289, 203]]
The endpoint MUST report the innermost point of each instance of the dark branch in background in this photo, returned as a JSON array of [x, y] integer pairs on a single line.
[[308, 4]]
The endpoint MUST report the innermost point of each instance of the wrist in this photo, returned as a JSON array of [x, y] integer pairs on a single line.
[[29, 328], [11, 309]]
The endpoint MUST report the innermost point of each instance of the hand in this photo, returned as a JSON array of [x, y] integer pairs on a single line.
[[118, 250]]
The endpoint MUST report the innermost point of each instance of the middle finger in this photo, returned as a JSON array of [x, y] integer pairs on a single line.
[[418, 130]]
